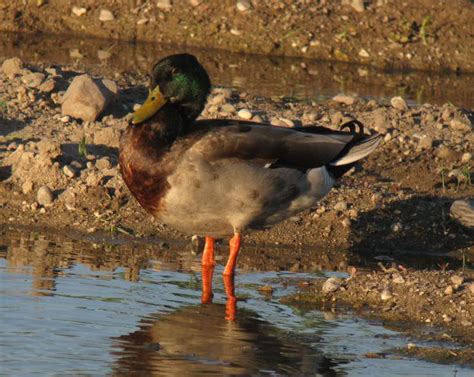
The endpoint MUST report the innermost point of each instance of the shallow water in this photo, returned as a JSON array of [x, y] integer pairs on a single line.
[[258, 75], [71, 307]]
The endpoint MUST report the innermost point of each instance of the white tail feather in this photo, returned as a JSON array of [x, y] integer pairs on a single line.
[[358, 151]]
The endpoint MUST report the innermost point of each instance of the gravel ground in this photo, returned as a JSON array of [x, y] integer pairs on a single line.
[[425, 34]]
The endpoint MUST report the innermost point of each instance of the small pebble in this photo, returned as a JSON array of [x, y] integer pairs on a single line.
[[228, 108], [426, 142], [69, 171], [398, 279], [340, 206], [106, 15], [364, 53], [397, 227], [386, 294], [245, 114], [44, 196], [79, 11], [449, 290], [331, 285], [243, 6], [164, 4], [65, 119], [466, 157], [27, 187], [399, 103], [345, 99], [346, 223], [457, 280], [287, 122]]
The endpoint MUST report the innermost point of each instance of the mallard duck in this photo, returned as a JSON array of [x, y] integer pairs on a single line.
[[221, 178]]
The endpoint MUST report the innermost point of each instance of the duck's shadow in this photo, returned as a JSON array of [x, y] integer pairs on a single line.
[[418, 231]]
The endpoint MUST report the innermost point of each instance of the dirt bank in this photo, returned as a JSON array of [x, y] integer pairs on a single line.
[[427, 35], [393, 209]]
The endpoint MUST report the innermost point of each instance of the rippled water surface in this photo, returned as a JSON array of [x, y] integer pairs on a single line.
[[76, 307], [258, 75]]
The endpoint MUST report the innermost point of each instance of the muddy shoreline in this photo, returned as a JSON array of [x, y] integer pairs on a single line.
[[392, 211], [427, 35]]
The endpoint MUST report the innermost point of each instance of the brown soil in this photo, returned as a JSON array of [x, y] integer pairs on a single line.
[[428, 35], [395, 205]]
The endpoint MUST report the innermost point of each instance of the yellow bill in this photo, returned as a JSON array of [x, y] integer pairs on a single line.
[[150, 107]]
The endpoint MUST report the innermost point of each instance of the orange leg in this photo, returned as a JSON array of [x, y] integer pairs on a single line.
[[234, 244], [207, 270], [208, 254], [206, 273], [231, 303]]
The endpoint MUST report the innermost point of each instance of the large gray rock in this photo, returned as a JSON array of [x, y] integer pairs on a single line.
[[87, 98]]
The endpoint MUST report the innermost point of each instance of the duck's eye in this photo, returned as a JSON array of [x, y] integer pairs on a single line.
[[153, 98], [174, 71]]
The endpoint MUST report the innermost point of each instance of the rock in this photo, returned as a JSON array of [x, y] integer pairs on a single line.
[[48, 148], [103, 54], [27, 187], [12, 67], [399, 103], [398, 279], [142, 21], [44, 196], [445, 153], [463, 211], [164, 4], [107, 136], [33, 80], [457, 280], [331, 285], [228, 108], [426, 142], [106, 15], [245, 114], [386, 294], [93, 180], [449, 290], [466, 157], [217, 99], [340, 206], [460, 125], [346, 223], [287, 122], [87, 98], [69, 171], [470, 288], [345, 99], [387, 137], [47, 86], [364, 53], [397, 227], [103, 163], [447, 318], [243, 6], [78, 11], [358, 5], [195, 3]]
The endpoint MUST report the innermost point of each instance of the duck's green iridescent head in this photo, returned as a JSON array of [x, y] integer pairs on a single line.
[[179, 80]]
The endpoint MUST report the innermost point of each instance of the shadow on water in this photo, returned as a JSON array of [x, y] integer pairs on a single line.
[[427, 238], [259, 75], [72, 307]]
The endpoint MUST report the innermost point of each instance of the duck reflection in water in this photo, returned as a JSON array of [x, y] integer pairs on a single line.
[[197, 340]]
